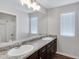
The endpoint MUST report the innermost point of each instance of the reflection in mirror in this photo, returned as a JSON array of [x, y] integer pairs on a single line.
[[7, 27]]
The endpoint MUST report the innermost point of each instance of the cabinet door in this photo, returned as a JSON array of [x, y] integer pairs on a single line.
[[43, 56], [43, 53], [52, 52], [33, 56], [49, 53]]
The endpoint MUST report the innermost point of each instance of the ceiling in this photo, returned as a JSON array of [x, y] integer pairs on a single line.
[[55, 3], [16, 4], [48, 3]]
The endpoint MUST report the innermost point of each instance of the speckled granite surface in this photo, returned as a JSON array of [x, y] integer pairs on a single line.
[[39, 43]]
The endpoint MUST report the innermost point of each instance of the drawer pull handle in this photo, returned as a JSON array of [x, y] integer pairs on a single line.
[[49, 46], [43, 50]]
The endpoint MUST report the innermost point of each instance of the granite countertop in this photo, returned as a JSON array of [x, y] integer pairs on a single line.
[[39, 43]]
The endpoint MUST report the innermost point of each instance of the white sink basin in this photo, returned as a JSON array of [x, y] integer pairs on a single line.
[[20, 51], [48, 38]]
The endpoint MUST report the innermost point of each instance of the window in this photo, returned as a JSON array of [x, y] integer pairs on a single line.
[[34, 25], [67, 24]]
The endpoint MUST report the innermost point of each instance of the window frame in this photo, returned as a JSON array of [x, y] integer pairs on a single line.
[[74, 33], [30, 25]]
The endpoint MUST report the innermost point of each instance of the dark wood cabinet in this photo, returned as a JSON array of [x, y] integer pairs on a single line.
[[33, 56], [50, 52], [51, 49], [46, 52], [42, 53], [43, 56]]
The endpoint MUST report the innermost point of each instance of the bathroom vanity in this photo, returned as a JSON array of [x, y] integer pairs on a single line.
[[46, 52], [38, 47]]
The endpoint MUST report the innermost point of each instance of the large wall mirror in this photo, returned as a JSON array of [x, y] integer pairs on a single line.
[[7, 27]]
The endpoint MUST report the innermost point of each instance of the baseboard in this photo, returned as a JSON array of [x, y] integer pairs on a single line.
[[65, 54]]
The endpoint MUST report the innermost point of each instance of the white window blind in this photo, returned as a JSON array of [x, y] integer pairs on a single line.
[[34, 24], [67, 24]]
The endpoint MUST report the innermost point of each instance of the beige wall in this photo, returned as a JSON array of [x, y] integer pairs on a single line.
[[43, 23], [68, 45], [22, 26]]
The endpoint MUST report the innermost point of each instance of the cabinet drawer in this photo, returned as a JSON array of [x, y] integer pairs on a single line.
[[50, 44], [42, 50]]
